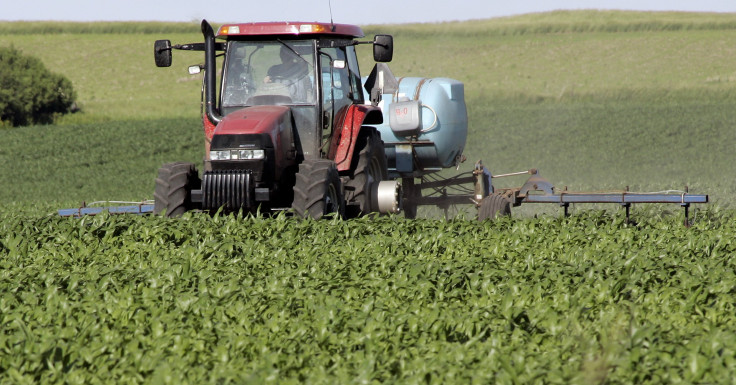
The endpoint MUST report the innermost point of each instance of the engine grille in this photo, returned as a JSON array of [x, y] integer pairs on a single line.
[[230, 189]]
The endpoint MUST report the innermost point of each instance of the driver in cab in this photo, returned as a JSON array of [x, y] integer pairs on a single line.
[[293, 73]]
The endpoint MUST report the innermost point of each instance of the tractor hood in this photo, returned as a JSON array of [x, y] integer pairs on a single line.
[[258, 125], [255, 120]]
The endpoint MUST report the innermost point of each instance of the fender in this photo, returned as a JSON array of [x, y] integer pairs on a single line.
[[343, 144], [209, 131]]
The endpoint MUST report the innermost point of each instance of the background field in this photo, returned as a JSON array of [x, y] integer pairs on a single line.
[[592, 99]]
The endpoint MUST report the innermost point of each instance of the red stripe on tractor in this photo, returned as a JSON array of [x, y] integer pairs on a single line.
[[354, 118]]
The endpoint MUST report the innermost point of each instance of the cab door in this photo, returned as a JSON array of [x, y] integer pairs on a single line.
[[340, 87]]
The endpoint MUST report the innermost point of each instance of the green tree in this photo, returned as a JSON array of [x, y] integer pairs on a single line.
[[30, 93]]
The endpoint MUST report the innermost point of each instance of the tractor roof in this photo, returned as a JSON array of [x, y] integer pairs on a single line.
[[289, 28]]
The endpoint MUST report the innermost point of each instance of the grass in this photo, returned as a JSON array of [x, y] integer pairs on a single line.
[[654, 146], [115, 76], [89, 162], [116, 79], [563, 67]]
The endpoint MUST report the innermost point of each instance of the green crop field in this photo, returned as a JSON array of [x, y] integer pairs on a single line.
[[585, 300], [594, 100]]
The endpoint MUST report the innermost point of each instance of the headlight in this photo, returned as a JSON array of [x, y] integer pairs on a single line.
[[252, 154], [219, 155], [237, 154]]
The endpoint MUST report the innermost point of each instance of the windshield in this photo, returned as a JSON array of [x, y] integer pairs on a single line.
[[269, 72]]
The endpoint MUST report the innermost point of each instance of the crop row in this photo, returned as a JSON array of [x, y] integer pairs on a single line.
[[204, 299]]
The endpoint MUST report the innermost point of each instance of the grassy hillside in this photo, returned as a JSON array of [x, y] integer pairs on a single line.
[[115, 75], [581, 21], [592, 99], [89, 162], [111, 64]]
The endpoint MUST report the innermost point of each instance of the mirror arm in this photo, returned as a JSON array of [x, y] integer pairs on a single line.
[[195, 47], [336, 44]]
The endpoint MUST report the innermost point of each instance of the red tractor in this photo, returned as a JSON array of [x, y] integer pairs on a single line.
[[287, 127], [290, 128]]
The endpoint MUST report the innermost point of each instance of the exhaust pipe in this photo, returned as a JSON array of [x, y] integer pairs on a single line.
[[210, 68], [387, 196]]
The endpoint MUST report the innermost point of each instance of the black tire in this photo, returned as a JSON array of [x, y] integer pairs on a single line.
[[318, 190], [174, 185], [411, 194], [494, 206], [368, 167]]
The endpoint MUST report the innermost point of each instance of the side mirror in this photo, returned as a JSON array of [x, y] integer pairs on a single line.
[[383, 48], [162, 53]]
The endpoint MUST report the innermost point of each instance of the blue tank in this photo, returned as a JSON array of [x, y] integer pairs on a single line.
[[425, 125]]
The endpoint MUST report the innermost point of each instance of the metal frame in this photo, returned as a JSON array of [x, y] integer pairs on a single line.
[[145, 207], [536, 190], [471, 188]]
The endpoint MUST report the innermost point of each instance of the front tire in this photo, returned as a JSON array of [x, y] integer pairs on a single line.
[[173, 191], [412, 193], [318, 190]]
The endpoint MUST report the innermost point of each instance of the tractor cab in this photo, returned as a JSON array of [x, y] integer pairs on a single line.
[[289, 105], [316, 77]]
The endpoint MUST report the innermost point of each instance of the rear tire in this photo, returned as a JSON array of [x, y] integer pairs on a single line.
[[412, 193], [174, 185], [494, 206], [318, 190], [369, 167]]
